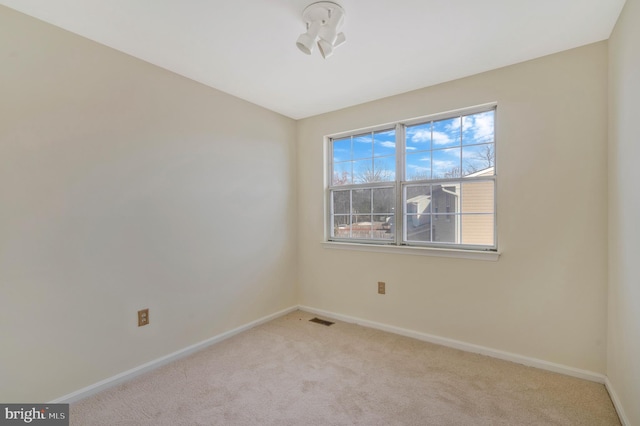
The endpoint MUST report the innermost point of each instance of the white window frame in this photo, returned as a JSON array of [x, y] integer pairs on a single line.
[[399, 244]]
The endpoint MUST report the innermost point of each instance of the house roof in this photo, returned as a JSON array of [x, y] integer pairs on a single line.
[[489, 171]]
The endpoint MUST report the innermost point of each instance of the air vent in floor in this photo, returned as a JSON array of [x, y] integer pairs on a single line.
[[321, 321]]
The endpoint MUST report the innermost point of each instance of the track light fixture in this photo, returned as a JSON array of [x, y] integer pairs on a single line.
[[323, 20]]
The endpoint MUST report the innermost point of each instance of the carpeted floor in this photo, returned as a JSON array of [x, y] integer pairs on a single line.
[[294, 372]]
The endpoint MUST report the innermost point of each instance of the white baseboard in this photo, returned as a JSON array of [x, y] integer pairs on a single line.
[[468, 347], [130, 374], [616, 403], [456, 344]]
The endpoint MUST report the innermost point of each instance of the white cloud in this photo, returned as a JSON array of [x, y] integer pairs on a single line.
[[362, 139], [420, 135], [388, 144], [441, 138], [480, 126], [453, 125], [484, 127], [467, 122]]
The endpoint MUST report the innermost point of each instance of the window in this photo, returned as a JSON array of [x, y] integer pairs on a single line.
[[424, 182]]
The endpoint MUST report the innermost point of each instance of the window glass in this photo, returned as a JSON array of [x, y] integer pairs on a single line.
[[446, 191]]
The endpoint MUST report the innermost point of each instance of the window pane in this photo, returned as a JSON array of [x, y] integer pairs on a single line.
[[418, 228], [341, 226], [362, 227], [384, 200], [478, 229], [384, 169], [478, 128], [445, 198], [418, 166], [363, 171], [418, 213], [341, 150], [446, 163], [342, 174], [446, 133], [361, 201], [420, 191], [418, 138], [477, 197], [453, 205], [341, 202], [478, 158], [384, 143], [445, 203], [362, 146], [383, 227], [445, 228]]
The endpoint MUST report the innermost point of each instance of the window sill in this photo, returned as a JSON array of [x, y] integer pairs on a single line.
[[420, 251]]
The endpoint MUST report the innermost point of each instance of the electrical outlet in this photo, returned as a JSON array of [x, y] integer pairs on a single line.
[[381, 287], [143, 317]]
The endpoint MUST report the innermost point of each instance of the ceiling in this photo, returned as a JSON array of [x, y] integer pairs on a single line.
[[247, 47]]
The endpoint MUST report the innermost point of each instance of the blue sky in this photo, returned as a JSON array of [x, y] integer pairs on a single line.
[[435, 148], [432, 148], [365, 146], [377, 148]]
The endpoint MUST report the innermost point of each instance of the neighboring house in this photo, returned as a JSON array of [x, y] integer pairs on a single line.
[[450, 214], [445, 216]]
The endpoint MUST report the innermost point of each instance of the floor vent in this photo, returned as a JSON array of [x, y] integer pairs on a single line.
[[321, 321]]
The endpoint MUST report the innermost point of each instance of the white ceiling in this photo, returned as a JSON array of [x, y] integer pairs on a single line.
[[247, 47]]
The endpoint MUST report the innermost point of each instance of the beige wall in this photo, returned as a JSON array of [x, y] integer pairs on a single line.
[[124, 186], [546, 296], [623, 356]]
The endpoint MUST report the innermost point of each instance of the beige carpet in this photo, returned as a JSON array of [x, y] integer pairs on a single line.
[[294, 372]]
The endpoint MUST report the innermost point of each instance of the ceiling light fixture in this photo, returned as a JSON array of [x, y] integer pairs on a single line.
[[323, 20]]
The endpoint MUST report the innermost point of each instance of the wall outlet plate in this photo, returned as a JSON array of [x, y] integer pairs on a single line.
[[381, 287], [143, 317]]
